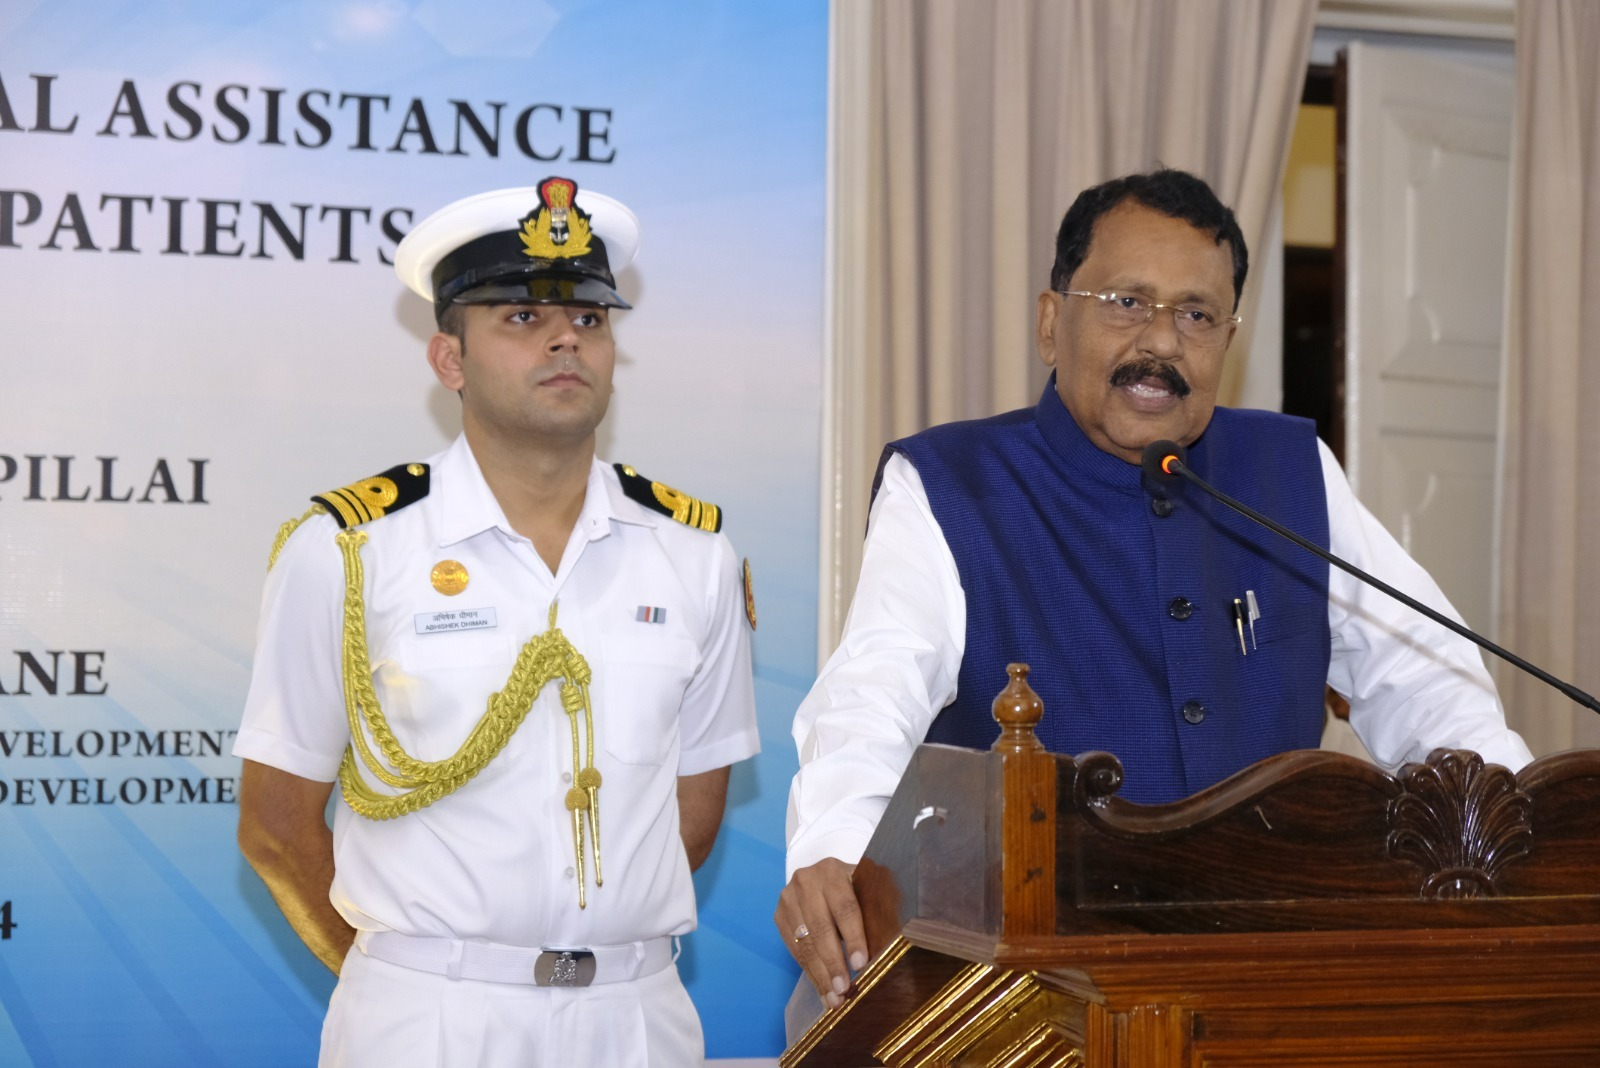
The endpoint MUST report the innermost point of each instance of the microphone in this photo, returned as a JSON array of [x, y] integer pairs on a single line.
[[1163, 464], [1159, 456], [1159, 483]]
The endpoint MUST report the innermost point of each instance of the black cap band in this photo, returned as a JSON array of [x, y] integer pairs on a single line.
[[502, 259]]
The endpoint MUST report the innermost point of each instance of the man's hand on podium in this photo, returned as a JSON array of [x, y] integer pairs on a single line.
[[820, 921]]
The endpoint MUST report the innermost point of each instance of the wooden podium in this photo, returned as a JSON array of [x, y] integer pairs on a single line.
[[1310, 910]]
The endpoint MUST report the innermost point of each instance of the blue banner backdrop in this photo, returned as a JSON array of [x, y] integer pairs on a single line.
[[199, 327]]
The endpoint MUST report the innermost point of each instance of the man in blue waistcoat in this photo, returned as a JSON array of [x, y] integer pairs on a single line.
[[1160, 627]]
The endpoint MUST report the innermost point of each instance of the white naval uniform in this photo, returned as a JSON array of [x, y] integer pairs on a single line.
[[1412, 685], [494, 862]]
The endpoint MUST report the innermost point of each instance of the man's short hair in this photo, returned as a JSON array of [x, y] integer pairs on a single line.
[[452, 319], [1174, 193]]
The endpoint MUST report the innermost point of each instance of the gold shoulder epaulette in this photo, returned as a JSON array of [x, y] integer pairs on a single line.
[[690, 511], [372, 498]]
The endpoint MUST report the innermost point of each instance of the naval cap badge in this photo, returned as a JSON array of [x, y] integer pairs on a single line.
[[557, 229]]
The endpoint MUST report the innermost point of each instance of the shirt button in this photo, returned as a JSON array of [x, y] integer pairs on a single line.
[[1161, 506], [570, 873], [1180, 608], [566, 776], [1194, 711]]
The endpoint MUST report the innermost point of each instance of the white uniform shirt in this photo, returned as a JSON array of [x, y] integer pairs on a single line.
[[1412, 685], [494, 861]]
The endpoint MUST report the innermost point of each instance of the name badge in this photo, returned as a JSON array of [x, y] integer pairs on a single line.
[[460, 619]]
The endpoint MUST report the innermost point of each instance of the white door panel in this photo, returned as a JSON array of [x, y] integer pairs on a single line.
[[1444, 481], [1427, 168]]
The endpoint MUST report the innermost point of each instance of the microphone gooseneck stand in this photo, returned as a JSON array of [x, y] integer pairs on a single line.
[[1164, 463]]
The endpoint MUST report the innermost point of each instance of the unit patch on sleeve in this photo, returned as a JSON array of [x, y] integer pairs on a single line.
[[372, 498], [749, 595], [690, 511]]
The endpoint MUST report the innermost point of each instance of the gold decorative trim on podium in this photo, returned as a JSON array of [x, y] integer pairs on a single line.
[[1048, 1045], [864, 982], [982, 1002]]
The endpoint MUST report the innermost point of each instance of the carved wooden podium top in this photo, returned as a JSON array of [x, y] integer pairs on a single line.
[[1310, 871]]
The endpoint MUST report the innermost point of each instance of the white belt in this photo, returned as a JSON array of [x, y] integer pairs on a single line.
[[495, 963]]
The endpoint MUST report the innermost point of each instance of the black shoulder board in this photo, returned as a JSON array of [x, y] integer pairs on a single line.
[[690, 511], [366, 500]]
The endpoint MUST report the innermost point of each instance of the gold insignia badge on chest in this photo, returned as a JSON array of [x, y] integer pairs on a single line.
[[448, 577]]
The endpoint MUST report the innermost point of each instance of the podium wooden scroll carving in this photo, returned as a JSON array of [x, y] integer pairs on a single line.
[[1310, 910], [1461, 822]]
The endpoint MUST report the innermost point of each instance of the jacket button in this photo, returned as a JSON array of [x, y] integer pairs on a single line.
[[1194, 711], [1180, 608], [1161, 506]]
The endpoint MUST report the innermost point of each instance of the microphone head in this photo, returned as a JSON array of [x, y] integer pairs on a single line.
[[1157, 462]]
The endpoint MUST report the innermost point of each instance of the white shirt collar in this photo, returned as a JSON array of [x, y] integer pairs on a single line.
[[464, 505]]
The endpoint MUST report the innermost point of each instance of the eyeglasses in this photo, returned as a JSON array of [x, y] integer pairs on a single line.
[[1199, 323]]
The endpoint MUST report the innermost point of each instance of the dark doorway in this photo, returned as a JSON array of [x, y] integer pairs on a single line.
[[1313, 300]]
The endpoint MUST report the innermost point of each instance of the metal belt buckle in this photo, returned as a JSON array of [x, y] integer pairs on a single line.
[[564, 967]]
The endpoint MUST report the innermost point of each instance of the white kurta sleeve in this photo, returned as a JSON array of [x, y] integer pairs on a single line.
[[894, 669], [1412, 684]]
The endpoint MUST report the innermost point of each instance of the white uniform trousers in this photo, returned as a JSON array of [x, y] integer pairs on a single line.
[[386, 1016]]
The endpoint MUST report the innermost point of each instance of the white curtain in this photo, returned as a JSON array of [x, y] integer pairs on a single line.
[[1550, 514]]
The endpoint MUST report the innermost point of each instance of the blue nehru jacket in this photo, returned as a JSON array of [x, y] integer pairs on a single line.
[[1124, 615]]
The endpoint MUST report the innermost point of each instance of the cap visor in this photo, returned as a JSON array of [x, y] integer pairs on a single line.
[[545, 291]]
